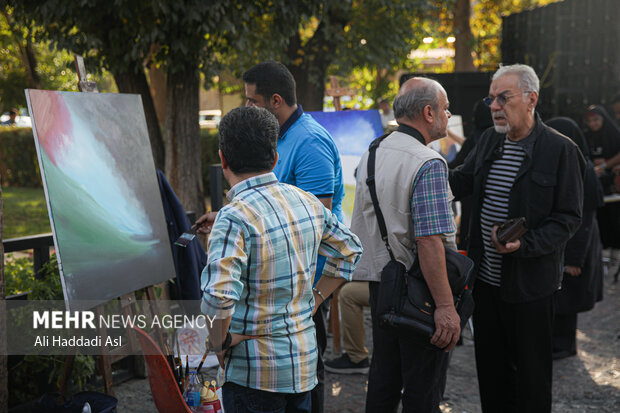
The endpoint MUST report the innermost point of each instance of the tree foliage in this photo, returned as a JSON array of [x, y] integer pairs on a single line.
[[26, 63], [317, 37], [182, 37], [105, 34]]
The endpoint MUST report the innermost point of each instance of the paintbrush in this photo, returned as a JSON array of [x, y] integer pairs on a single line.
[[170, 357], [187, 236], [204, 355], [178, 363]]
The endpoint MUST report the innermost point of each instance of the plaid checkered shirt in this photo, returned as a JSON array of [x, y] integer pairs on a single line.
[[430, 206], [262, 258]]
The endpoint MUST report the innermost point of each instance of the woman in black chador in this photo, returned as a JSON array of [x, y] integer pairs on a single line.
[[603, 137], [582, 285]]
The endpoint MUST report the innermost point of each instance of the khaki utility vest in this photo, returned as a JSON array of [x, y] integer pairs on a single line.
[[398, 161]]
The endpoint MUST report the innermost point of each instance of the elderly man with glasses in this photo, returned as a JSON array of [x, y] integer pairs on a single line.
[[520, 168]]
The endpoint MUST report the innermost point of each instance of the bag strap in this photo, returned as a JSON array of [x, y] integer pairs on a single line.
[[370, 181]]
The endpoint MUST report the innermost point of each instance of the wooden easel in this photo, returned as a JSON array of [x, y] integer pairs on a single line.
[[334, 319], [337, 92], [127, 301]]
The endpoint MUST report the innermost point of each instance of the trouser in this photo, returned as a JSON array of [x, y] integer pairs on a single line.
[[318, 393], [402, 363], [353, 297], [240, 399], [513, 351], [565, 332]]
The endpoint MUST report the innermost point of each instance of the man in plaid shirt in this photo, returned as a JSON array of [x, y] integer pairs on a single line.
[[258, 280]]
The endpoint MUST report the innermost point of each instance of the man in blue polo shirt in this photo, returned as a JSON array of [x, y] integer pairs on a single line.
[[308, 159]]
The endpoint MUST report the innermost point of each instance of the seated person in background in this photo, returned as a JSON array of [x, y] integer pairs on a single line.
[[353, 297], [603, 137], [262, 255], [12, 116], [582, 284]]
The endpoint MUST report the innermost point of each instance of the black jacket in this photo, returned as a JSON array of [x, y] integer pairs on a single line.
[[548, 192], [188, 261]]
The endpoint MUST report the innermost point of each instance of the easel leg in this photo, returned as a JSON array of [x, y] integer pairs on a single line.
[[66, 373], [105, 367]]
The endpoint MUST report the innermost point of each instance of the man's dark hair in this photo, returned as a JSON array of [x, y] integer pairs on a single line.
[[248, 139], [616, 98], [272, 77]]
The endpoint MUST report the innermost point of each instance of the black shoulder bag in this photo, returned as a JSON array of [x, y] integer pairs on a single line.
[[405, 303]]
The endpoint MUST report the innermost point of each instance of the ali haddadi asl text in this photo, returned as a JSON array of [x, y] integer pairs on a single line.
[[81, 341]]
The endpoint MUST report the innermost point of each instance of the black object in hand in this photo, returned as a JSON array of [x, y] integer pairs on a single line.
[[511, 230], [187, 237]]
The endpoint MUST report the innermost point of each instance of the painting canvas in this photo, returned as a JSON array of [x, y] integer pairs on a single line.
[[102, 194], [353, 131]]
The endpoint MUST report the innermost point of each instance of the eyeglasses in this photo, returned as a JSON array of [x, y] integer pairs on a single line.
[[502, 98]]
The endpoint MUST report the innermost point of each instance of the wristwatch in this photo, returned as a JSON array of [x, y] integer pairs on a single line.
[[225, 345], [316, 290]]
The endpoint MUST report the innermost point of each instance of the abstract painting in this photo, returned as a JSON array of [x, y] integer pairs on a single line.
[[102, 194], [353, 131]]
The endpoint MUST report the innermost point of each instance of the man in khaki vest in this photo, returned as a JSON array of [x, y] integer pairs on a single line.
[[414, 196]]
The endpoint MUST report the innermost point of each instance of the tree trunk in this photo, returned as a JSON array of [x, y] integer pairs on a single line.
[[30, 63], [131, 82], [309, 93], [4, 374], [157, 81], [463, 61], [311, 60], [183, 146], [26, 52]]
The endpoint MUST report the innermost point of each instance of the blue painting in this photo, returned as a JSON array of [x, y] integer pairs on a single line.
[[353, 131]]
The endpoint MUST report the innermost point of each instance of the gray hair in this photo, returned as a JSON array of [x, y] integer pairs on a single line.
[[411, 104], [528, 80]]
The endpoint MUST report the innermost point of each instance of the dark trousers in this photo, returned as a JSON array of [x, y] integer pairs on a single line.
[[513, 352], [318, 393], [565, 333], [240, 399], [402, 363]]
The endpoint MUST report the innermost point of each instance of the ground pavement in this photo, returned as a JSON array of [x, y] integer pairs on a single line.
[[589, 382]]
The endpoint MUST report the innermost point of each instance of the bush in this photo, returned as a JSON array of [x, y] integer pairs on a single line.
[[19, 275], [19, 165], [30, 376]]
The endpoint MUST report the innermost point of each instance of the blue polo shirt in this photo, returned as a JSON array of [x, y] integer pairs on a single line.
[[309, 159]]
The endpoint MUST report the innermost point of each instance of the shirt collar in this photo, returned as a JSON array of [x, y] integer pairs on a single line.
[[253, 182], [528, 143], [290, 121], [411, 132]]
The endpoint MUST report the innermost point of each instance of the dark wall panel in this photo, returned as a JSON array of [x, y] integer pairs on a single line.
[[574, 47]]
